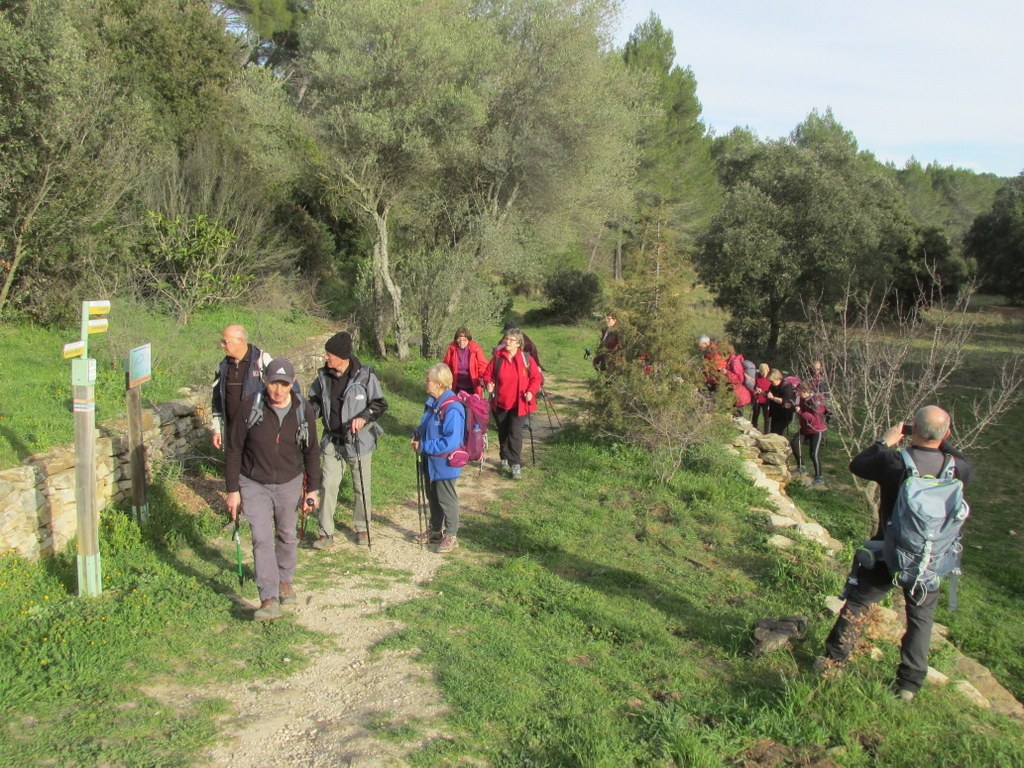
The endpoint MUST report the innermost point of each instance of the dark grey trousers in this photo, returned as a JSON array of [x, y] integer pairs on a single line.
[[510, 435], [272, 512], [444, 506], [872, 585]]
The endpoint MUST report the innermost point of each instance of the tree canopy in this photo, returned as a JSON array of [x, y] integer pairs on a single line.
[[376, 150], [802, 217]]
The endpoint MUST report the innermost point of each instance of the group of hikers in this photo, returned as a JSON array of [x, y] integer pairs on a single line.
[[274, 459], [286, 452], [773, 399]]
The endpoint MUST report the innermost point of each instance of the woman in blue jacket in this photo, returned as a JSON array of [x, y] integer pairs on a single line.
[[442, 429]]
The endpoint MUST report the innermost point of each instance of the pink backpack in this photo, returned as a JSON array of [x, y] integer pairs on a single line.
[[474, 442]]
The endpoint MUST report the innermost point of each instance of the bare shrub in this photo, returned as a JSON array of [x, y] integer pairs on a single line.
[[885, 359]]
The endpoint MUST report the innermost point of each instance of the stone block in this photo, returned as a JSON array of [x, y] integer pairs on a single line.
[[772, 443]]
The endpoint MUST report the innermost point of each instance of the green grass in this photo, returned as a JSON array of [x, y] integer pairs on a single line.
[[615, 628], [35, 413], [608, 622], [169, 620]]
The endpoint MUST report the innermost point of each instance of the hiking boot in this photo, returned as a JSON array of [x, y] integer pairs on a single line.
[[286, 593], [904, 695], [503, 466], [448, 544], [324, 542], [362, 538], [819, 480], [517, 472], [268, 611], [799, 471], [428, 536]]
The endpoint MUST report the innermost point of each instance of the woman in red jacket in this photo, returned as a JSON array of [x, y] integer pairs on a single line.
[[513, 379], [466, 360], [736, 376]]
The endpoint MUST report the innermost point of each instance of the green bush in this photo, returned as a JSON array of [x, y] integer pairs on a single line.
[[572, 294]]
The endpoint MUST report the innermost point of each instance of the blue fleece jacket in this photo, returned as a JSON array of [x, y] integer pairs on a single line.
[[440, 436]]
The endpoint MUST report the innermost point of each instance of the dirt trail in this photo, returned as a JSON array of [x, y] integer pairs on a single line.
[[324, 714]]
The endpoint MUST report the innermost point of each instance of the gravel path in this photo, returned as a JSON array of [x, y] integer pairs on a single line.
[[323, 715]]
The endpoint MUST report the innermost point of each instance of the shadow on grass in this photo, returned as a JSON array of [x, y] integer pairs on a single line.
[[684, 617], [170, 527]]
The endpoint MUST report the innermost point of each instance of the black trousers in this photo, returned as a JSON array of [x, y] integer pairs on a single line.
[[760, 409], [872, 585], [780, 420], [510, 435], [814, 442]]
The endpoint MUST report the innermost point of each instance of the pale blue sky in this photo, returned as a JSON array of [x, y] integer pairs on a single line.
[[940, 81]]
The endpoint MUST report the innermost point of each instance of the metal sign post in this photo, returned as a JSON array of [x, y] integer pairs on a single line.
[[83, 379], [138, 369]]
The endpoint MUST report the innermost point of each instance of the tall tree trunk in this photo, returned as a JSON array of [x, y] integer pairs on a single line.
[[382, 270], [617, 267], [18, 254]]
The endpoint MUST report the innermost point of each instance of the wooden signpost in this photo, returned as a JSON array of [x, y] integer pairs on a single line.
[[83, 379]]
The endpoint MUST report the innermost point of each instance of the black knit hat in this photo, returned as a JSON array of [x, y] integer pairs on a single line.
[[340, 345]]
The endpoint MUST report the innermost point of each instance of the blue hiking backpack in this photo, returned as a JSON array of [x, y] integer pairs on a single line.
[[922, 538], [749, 373]]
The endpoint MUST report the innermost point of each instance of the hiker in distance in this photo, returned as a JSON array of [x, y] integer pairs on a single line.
[[608, 344], [811, 415], [240, 374], [513, 379], [760, 407], [871, 578], [348, 399], [441, 430], [270, 448], [465, 359], [714, 363], [781, 402]]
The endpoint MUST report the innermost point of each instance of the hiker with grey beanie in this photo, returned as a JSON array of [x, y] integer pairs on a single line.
[[347, 398], [271, 447]]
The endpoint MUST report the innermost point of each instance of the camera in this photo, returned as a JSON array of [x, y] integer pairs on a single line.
[[908, 427]]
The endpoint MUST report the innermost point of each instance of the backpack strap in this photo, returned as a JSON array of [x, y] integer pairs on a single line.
[[441, 407], [949, 468], [299, 404], [909, 463], [256, 414]]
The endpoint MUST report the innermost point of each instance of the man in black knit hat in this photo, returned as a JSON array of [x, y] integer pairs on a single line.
[[348, 400]]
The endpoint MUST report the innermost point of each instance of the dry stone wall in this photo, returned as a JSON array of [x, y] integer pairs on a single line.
[[38, 515]]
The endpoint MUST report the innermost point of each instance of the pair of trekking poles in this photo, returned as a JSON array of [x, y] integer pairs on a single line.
[[304, 508], [549, 408]]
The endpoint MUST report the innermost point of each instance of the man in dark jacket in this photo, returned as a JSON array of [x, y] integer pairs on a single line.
[[348, 399], [928, 449], [266, 458], [239, 375]]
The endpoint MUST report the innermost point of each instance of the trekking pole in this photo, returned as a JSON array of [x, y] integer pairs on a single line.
[[303, 511], [419, 496], [366, 512], [533, 454], [238, 551], [551, 406]]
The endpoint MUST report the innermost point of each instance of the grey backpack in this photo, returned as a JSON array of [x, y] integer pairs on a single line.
[[922, 538]]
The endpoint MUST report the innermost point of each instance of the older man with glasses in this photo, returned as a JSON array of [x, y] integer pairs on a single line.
[[239, 375]]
